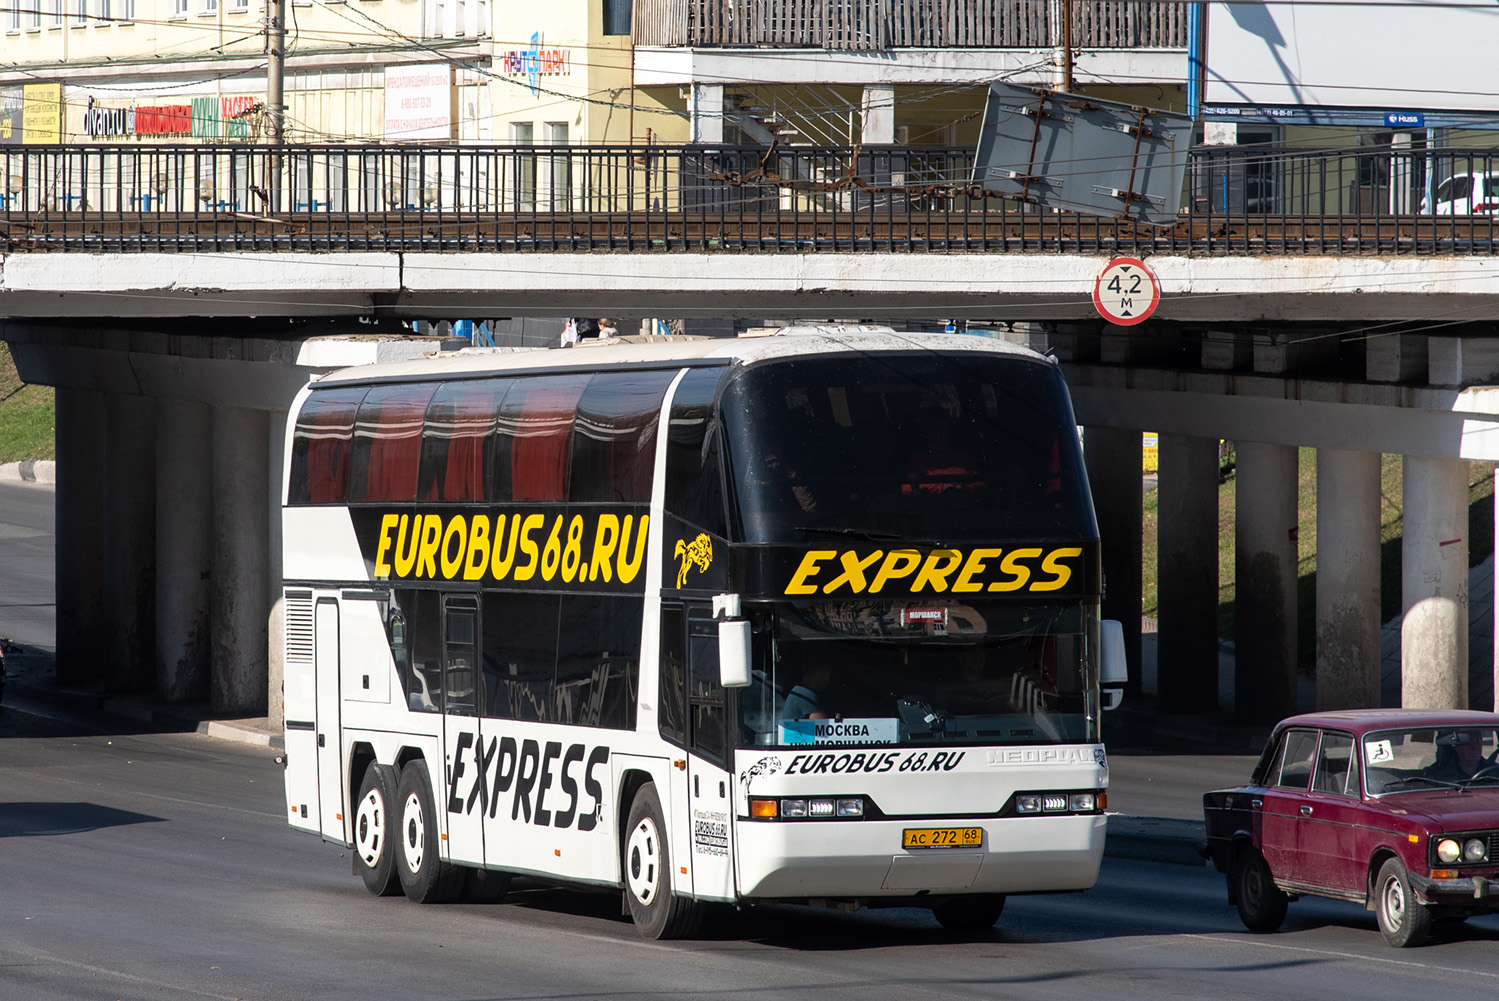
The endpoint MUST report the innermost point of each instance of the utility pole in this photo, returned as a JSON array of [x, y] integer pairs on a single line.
[[1061, 51], [275, 70]]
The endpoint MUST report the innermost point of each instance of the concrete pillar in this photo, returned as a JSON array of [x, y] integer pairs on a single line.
[[82, 648], [130, 541], [276, 620], [184, 512], [1347, 579], [1187, 566], [707, 111], [1265, 539], [1113, 458], [1434, 584], [878, 114], [239, 544]]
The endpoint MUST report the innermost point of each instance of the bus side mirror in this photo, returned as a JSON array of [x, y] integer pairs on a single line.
[[1113, 669], [734, 653]]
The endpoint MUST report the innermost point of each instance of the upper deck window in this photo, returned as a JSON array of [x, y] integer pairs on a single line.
[[388, 443], [320, 446], [537, 416], [614, 440], [916, 446], [459, 443]]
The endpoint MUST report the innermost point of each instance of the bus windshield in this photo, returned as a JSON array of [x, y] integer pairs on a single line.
[[887, 673], [916, 446]]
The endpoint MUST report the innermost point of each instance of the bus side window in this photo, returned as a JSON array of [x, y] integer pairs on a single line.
[[614, 438], [460, 644], [598, 660], [672, 699], [456, 461], [705, 692], [320, 447], [421, 629], [388, 443], [520, 655], [537, 417], [694, 481]]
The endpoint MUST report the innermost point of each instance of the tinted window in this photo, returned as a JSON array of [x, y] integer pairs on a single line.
[[694, 489], [598, 663], [460, 647], [705, 691], [672, 698], [614, 441], [388, 443], [320, 447], [926, 446], [520, 655], [537, 417], [419, 627], [458, 441]]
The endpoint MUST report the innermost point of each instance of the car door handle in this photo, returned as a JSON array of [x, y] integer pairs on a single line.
[[1306, 811], [1256, 803]]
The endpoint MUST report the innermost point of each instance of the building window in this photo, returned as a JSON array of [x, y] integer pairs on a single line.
[[80, 13], [208, 6], [55, 7], [34, 15], [127, 10], [13, 22], [239, 6], [617, 16], [179, 8], [102, 12]]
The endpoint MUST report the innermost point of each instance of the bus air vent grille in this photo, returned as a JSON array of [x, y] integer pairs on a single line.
[[299, 627]]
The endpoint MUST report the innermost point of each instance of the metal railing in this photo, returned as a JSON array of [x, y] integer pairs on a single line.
[[1237, 200]]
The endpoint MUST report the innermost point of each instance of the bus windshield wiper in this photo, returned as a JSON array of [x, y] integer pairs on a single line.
[[858, 533]]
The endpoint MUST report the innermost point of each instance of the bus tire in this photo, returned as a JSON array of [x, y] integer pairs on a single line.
[[425, 877], [375, 831], [657, 912], [970, 914], [485, 886]]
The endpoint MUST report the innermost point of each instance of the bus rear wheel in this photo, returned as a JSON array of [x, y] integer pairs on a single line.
[[656, 910], [425, 877], [970, 915], [374, 831]]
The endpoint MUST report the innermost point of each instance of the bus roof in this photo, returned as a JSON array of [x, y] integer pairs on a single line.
[[665, 350]]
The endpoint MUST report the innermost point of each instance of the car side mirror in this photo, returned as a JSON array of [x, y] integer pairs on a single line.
[[1113, 666]]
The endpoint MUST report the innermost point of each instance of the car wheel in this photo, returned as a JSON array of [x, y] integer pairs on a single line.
[[656, 910], [374, 832], [1403, 921], [970, 915], [425, 877], [1262, 904]]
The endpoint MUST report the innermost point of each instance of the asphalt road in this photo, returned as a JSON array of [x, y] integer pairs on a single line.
[[160, 866], [27, 606]]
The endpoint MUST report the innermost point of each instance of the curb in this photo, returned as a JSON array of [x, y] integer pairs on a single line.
[[29, 471]]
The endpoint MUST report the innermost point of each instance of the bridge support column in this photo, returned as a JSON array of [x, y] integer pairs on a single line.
[[82, 648], [707, 111], [1347, 579], [130, 540], [1434, 584], [1187, 563], [878, 113], [184, 513], [1113, 458], [276, 614], [1265, 554], [239, 525]]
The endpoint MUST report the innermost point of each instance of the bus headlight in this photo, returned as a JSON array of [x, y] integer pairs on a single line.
[[810, 808], [1059, 803]]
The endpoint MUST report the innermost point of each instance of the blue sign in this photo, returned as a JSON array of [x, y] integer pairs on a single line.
[[1405, 119]]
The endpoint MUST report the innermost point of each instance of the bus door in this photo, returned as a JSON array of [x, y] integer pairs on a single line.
[[461, 737], [326, 668], [710, 782]]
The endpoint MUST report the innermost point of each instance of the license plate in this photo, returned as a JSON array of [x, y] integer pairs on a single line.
[[942, 837]]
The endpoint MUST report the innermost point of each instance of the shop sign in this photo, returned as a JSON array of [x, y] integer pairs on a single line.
[[419, 102], [41, 113], [536, 62]]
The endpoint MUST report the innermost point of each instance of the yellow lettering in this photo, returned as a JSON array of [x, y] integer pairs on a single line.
[[605, 538], [972, 569], [406, 558], [809, 568], [531, 523], [853, 571], [939, 563], [898, 563], [388, 522], [501, 564], [1019, 574], [1060, 574], [426, 559], [457, 528], [628, 569], [477, 556]]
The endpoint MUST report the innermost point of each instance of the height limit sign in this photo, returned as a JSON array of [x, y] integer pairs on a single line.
[[1126, 292]]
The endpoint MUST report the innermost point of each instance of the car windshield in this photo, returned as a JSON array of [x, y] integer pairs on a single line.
[[1426, 758]]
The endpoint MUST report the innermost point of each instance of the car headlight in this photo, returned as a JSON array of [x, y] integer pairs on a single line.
[[1474, 850], [1449, 850]]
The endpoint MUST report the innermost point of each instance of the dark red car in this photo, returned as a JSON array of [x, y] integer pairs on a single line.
[[1394, 809]]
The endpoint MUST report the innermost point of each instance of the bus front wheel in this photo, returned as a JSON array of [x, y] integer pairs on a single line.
[[374, 831], [425, 877], [655, 909], [970, 915]]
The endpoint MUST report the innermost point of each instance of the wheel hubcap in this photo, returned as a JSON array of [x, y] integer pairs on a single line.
[[644, 853], [415, 825], [369, 828], [1394, 903]]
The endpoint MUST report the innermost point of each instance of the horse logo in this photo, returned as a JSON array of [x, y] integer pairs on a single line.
[[699, 552]]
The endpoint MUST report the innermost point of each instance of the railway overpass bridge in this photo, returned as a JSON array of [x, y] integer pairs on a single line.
[[176, 337]]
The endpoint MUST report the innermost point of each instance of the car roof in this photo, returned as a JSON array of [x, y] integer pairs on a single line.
[[1362, 721]]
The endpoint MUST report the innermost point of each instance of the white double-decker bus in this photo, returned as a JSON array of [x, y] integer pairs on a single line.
[[806, 617]]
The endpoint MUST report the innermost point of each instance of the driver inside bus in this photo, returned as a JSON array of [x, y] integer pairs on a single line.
[[804, 701]]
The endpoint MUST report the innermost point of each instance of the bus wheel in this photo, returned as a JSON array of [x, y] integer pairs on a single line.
[[968, 915], [485, 886], [656, 910], [374, 831], [425, 877]]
